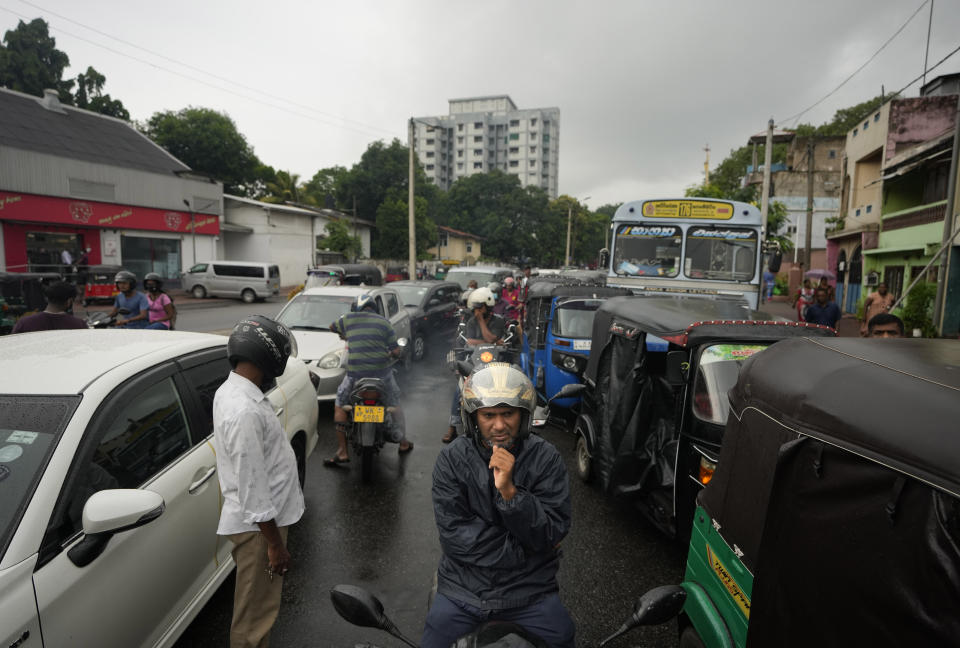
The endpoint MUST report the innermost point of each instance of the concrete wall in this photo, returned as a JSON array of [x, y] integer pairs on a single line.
[[918, 120]]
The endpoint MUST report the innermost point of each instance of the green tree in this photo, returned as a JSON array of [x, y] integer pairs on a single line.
[[844, 119], [382, 169], [339, 239], [393, 228], [283, 188], [30, 61], [89, 95], [208, 142], [776, 219], [321, 189]]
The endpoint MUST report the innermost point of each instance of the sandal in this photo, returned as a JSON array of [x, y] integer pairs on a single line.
[[335, 461], [408, 448]]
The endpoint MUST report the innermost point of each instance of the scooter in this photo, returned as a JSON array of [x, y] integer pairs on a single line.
[[361, 608], [372, 419], [100, 320]]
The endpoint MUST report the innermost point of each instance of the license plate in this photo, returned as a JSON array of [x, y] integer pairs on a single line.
[[368, 413], [581, 345]]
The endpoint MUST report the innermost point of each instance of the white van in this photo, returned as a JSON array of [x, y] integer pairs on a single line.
[[248, 280]]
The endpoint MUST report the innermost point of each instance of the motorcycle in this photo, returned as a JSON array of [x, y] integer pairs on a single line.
[[359, 607], [100, 320], [372, 419]]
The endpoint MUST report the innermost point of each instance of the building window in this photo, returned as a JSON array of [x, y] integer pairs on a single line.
[[460, 165], [459, 152], [855, 131], [546, 122], [533, 163], [492, 141], [491, 128], [478, 151], [514, 163], [469, 247], [876, 117], [430, 142], [514, 150], [478, 165], [442, 240], [869, 208], [533, 135], [858, 211], [429, 167], [459, 128], [514, 123], [533, 121], [866, 124], [546, 165], [459, 139], [533, 150], [492, 155], [477, 139], [429, 154], [478, 125], [832, 154], [546, 138], [514, 136]]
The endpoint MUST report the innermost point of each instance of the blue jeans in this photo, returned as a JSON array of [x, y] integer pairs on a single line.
[[448, 620]]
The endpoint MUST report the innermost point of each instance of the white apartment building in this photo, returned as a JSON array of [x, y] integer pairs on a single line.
[[485, 133]]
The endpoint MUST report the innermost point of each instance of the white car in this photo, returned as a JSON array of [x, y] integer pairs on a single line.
[[309, 316], [110, 499]]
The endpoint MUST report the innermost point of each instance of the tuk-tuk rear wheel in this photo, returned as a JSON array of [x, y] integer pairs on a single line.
[[584, 462]]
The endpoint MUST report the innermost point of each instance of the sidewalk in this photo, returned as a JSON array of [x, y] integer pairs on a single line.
[[186, 301], [848, 326]]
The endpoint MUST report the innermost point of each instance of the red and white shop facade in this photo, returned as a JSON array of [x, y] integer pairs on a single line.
[[36, 229]]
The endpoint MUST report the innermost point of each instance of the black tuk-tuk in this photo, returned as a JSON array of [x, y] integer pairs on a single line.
[[344, 274], [22, 293], [833, 518], [652, 415]]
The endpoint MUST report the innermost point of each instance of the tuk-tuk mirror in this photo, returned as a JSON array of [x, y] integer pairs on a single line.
[[568, 390], [677, 366]]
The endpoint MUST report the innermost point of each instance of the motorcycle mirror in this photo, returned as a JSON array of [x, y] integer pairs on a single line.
[[361, 608], [464, 368], [541, 415], [568, 390], [656, 606]]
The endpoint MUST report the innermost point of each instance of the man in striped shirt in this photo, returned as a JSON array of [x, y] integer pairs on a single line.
[[371, 347]]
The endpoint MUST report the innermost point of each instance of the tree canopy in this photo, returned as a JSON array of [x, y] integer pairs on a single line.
[[393, 218], [339, 239], [208, 142]]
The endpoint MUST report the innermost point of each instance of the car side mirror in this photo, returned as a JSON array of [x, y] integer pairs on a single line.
[[433, 302], [677, 368], [110, 511]]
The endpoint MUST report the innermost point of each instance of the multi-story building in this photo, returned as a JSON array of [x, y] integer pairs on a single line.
[[485, 133], [896, 184]]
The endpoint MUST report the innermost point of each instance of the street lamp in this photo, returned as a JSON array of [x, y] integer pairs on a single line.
[[569, 219]]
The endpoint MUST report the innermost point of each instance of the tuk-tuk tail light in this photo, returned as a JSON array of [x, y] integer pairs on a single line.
[[707, 468]]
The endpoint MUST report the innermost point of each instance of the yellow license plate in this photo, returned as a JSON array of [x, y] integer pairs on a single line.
[[368, 414]]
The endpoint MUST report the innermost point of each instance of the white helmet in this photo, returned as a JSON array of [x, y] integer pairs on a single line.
[[481, 296]]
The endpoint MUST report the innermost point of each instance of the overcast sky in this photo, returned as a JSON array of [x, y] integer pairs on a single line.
[[642, 86]]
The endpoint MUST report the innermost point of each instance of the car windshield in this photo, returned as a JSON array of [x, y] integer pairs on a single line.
[[720, 253], [410, 295], [321, 280], [648, 250], [31, 425], [716, 375], [574, 319], [315, 312], [464, 277]]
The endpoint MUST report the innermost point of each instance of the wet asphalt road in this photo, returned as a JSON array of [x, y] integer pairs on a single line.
[[381, 536]]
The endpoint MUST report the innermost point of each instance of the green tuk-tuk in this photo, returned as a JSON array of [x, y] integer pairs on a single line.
[[833, 518]]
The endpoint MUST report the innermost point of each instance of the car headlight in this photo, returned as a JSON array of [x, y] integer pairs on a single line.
[[330, 361]]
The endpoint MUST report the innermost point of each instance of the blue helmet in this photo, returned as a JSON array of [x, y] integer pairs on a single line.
[[364, 302]]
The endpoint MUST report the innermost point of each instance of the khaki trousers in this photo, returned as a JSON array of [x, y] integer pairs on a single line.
[[256, 599]]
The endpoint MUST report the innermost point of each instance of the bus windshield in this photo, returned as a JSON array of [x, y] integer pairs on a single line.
[[647, 250], [720, 253]]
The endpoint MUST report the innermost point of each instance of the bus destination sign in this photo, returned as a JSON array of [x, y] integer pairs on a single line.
[[694, 209]]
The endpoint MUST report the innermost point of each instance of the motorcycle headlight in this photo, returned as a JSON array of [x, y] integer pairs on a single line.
[[330, 361]]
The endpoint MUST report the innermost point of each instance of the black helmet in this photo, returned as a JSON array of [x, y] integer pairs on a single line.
[[126, 275], [497, 384], [154, 277], [262, 341]]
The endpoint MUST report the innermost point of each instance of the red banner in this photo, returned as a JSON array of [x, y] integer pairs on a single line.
[[87, 213]]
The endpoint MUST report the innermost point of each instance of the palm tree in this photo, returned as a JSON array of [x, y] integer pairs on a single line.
[[284, 188]]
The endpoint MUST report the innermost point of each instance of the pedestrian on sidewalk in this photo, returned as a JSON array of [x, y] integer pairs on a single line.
[[823, 311], [56, 315], [258, 477], [876, 303], [802, 299]]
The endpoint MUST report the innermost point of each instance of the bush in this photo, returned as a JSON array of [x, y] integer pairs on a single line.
[[918, 312], [781, 285]]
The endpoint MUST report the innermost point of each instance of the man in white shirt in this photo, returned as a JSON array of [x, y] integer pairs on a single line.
[[258, 477]]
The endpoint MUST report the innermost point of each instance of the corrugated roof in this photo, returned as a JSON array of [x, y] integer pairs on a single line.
[[79, 134]]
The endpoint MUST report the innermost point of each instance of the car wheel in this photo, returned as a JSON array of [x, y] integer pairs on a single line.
[[419, 348], [690, 639], [248, 296], [299, 445], [584, 462], [199, 292]]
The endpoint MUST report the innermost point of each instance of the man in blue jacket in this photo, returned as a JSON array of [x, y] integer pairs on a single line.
[[502, 504]]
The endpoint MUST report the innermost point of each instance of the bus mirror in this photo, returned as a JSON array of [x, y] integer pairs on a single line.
[[677, 366], [776, 258], [604, 257]]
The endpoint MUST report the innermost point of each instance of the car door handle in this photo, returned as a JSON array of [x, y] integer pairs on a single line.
[[279, 411], [195, 486]]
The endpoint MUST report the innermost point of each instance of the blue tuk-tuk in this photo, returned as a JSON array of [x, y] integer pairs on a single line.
[[557, 326]]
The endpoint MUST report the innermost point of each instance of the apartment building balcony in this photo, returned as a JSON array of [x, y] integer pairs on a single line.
[[920, 215]]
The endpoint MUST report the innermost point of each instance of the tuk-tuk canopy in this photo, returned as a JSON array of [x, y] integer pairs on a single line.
[[838, 485]]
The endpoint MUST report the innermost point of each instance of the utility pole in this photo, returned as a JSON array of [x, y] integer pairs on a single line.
[[706, 166], [765, 187], [411, 223], [566, 258], [808, 234], [927, 52]]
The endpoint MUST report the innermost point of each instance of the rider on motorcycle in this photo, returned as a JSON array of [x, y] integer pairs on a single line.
[[502, 506], [371, 347], [130, 300], [484, 327]]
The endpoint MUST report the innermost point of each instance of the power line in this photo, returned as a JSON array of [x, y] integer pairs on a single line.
[[366, 129], [857, 71]]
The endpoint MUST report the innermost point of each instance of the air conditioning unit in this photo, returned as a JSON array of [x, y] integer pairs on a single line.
[[872, 278]]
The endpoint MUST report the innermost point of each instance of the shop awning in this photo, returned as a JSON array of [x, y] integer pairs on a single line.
[[233, 227]]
